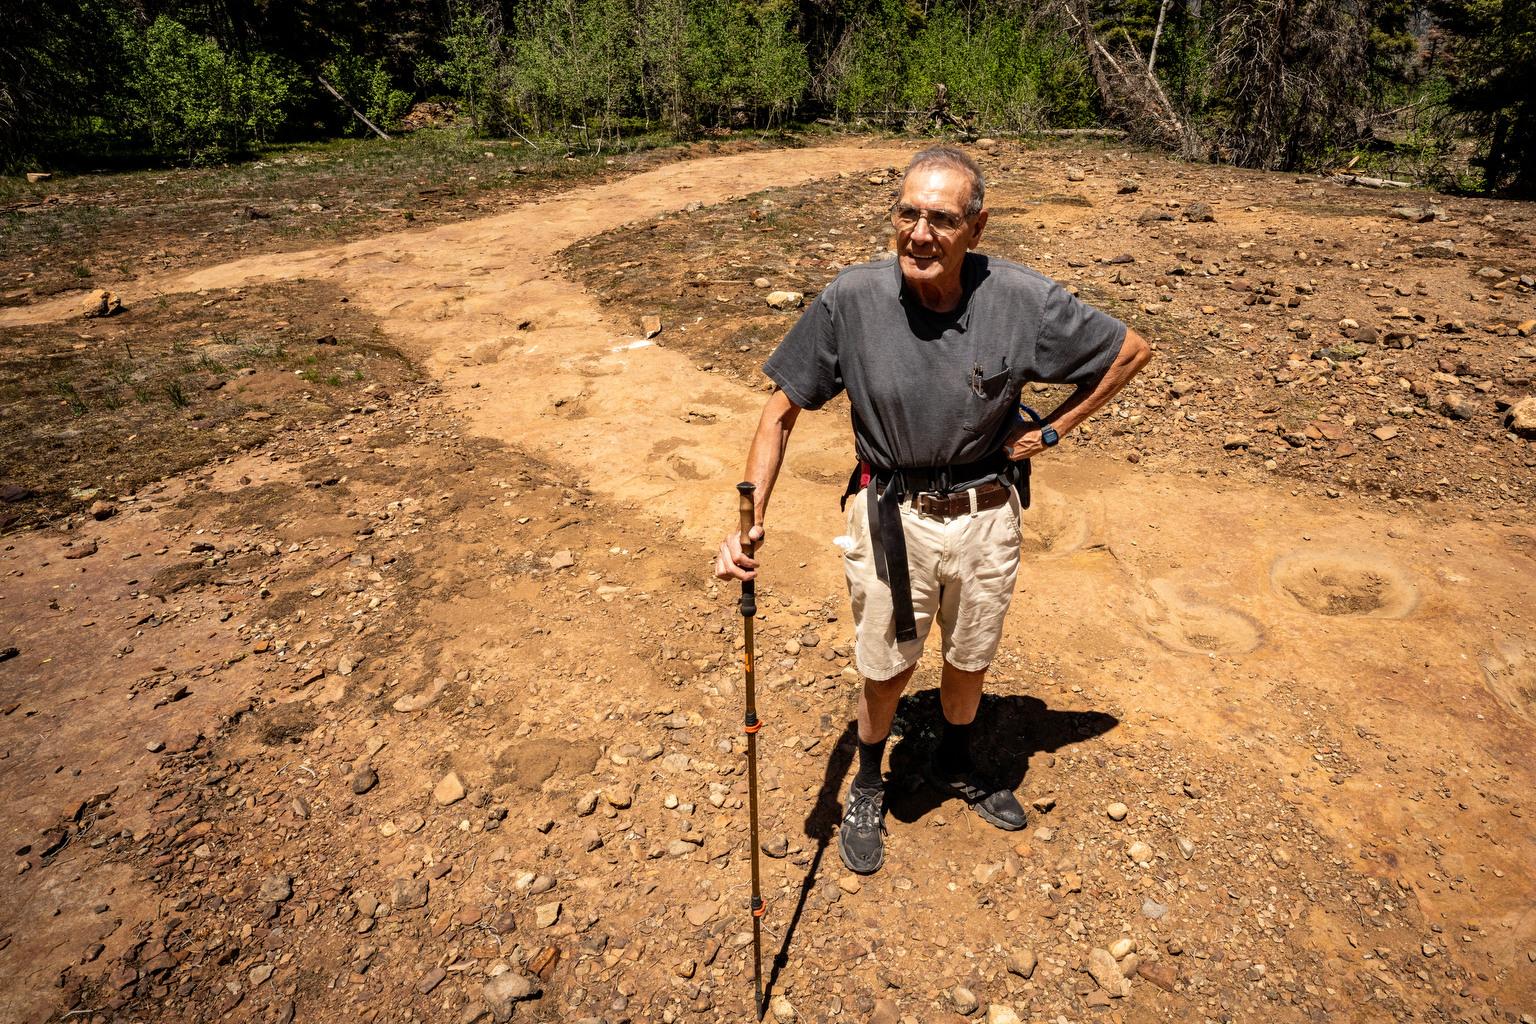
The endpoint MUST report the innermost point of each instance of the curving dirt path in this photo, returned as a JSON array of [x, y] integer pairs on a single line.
[[1268, 628]]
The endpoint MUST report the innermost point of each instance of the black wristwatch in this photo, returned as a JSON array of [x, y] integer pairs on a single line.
[[1048, 435]]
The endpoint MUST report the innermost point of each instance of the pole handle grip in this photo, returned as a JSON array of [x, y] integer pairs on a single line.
[[748, 516]]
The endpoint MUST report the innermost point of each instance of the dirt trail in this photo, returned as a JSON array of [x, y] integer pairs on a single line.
[[1345, 656]]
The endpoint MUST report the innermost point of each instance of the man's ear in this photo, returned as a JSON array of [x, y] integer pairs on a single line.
[[976, 228]]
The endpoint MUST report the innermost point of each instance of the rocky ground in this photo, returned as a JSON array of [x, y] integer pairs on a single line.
[[400, 713]]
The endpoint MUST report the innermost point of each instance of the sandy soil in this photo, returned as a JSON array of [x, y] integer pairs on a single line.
[[1318, 710]]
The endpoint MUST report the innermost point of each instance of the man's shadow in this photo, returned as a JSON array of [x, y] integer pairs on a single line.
[[1010, 729]]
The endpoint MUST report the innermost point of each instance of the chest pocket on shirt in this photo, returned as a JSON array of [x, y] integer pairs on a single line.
[[989, 398]]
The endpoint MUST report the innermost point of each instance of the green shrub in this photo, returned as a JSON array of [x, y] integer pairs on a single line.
[[367, 85], [199, 104]]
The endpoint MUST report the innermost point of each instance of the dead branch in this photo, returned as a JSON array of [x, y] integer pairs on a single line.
[[355, 112]]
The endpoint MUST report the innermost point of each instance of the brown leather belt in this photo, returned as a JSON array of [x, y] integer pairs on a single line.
[[976, 499]]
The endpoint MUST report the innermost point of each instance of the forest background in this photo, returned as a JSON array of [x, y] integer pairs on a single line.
[[1441, 91]]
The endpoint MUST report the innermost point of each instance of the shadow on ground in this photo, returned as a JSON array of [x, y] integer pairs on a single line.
[[1010, 730]]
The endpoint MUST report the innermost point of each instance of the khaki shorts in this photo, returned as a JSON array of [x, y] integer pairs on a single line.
[[963, 571]]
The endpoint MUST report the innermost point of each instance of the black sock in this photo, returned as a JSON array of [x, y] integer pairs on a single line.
[[870, 756], [954, 753]]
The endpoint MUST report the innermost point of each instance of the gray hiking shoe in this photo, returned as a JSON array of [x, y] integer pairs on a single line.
[[861, 841], [995, 803]]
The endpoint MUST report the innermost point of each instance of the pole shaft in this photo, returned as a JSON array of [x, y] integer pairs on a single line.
[[748, 613]]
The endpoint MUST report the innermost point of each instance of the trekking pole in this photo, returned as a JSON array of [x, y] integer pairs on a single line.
[[751, 725]]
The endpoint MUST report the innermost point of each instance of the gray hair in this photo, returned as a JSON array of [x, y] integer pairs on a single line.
[[955, 159]]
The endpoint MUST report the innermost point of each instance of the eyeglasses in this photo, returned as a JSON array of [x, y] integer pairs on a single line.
[[905, 218]]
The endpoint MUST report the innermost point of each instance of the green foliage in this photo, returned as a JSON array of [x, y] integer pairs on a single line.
[[1005, 70], [1490, 62], [470, 68], [366, 83], [200, 104], [574, 65]]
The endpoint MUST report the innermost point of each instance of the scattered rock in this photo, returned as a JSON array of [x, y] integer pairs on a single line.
[[277, 888], [1075, 173], [782, 1009], [1153, 910], [1521, 419], [1160, 974], [1128, 186], [1199, 213], [786, 300], [546, 914], [1139, 852], [651, 325], [503, 992], [449, 790], [997, 1013], [964, 1000], [101, 303], [1117, 811], [1104, 970], [364, 779], [1022, 963], [1280, 856], [101, 510], [78, 551], [409, 893]]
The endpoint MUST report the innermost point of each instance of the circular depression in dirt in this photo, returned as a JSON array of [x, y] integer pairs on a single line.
[[1341, 583]]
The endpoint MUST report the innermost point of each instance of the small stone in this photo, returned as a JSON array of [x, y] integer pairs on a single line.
[[1022, 963], [561, 559], [504, 991], [885, 1012], [1153, 910], [1428, 950], [1160, 974], [1117, 811], [1281, 857], [277, 888], [786, 300], [409, 893], [1128, 186], [1458, 406], [762, 282], [1122, 947], [997, 1013], [1186, 847], [1233, 442], [1521, 419], [1199, 213], [364, 779], [1043, 804], [776, 847], [700, 913], [1075, 173], [38, 177], [450, 789], [546, 914], [1104, 970], [964, 1000], [1139, 852], [849, 884], [101, 510], [1385, 433], [1490, 273], [260, 973], [431, 980], [782, 1009], [651, 325], [101, 303], [78, 551], [587, 802]]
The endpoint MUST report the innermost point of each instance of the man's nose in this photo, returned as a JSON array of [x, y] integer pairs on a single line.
[[922, 230]]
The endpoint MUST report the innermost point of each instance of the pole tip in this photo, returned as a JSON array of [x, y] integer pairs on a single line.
[[745, 487]]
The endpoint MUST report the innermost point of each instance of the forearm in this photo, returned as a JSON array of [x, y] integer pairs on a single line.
[[1085, 401], [769, 444]]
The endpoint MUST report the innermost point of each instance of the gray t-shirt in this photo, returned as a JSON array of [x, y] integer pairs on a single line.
[[931, 389]]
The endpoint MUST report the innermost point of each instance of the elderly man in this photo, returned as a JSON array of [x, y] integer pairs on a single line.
[[933, 346]]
